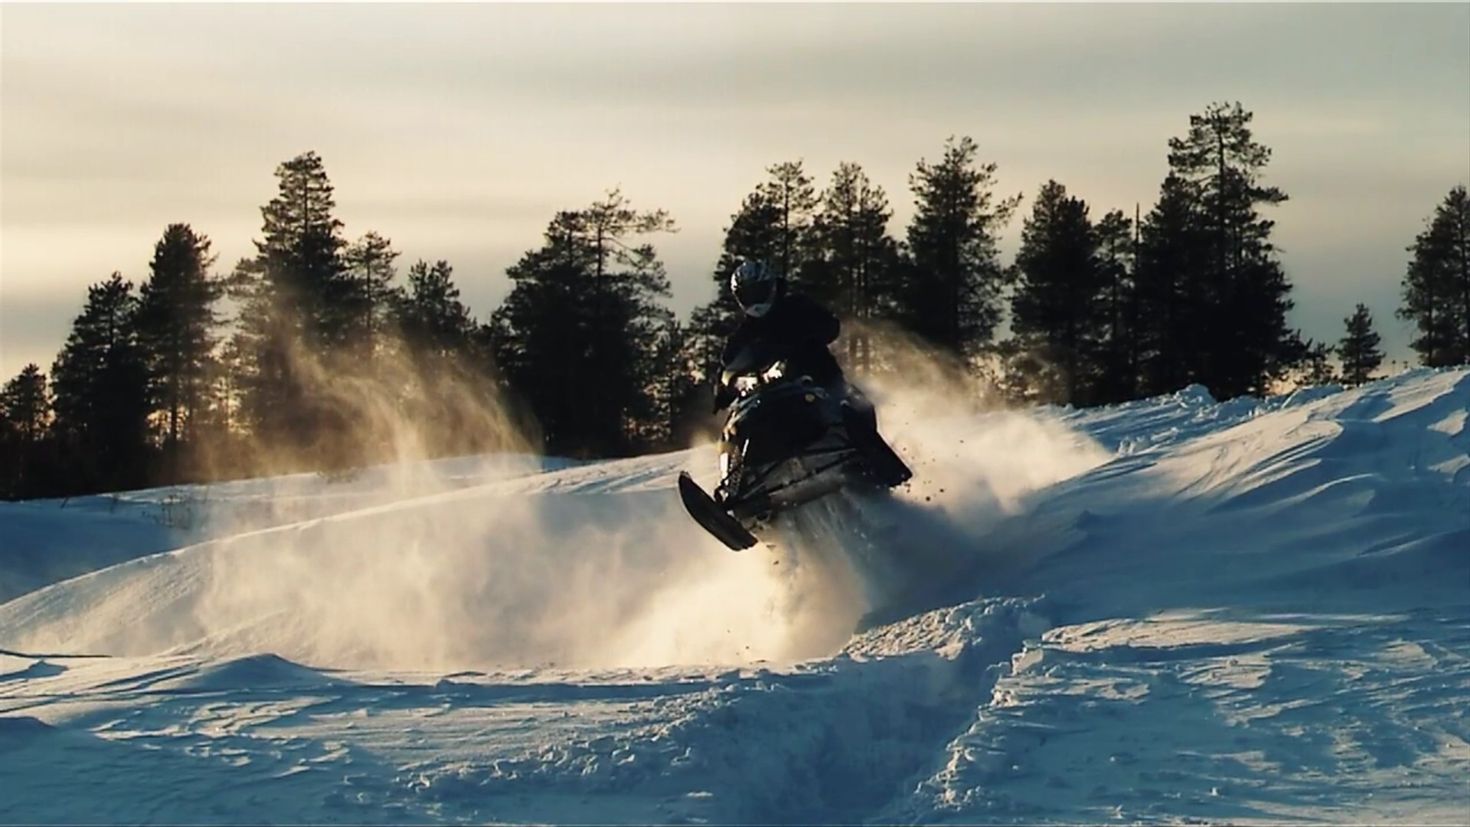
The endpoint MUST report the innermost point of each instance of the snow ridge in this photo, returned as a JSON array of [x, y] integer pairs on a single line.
[[1171, 610]]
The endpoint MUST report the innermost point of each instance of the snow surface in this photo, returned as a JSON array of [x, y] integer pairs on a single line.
[[1170, 610]]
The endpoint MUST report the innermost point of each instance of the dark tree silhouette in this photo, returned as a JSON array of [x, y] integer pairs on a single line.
[[299, 305], [432, 318], [1241, 302], [451, 373], [1317, 365], [1168, 290], [787, 200], [678, 396], [25, 404], [177, 329], [369, 265], [1118, 358], [855, 261], [951, 295], [25, 419], [1436, 289], [1359, 349], [578, 333], [100, 382], [1058, 310]]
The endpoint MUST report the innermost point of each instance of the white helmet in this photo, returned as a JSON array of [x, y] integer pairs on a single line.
[[756, 285]]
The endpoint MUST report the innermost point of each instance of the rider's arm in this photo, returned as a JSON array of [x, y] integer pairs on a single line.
[[829, 328], [734, 343], [817, 323], [723, 395]]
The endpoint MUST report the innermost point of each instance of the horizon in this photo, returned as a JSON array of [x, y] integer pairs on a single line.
[[440, 120]]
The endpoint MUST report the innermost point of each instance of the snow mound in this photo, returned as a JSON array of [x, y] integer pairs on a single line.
[[1172, 610]]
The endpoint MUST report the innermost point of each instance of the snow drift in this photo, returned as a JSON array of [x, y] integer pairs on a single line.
[[1166, 610]]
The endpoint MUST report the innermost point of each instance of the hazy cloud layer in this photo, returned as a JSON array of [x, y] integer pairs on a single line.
[[457, 130]]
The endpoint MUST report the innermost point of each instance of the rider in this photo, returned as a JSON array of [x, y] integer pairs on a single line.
[[797, 326], [800, 330]]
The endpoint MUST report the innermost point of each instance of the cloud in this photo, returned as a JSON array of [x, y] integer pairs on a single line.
[[457, 129]]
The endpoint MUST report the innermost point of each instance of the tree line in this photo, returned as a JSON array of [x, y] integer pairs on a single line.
[[312, 353]]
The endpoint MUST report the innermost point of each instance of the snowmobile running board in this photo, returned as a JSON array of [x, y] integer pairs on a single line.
[[711, 517]]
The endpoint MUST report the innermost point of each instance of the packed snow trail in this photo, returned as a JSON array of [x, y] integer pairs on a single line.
[[1166, 610]]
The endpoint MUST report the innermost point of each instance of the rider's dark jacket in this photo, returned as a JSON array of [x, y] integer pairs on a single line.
[[800, 329]]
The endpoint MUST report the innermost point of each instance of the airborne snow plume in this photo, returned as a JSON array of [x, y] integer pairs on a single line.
[[505, 565], [1167, 610]]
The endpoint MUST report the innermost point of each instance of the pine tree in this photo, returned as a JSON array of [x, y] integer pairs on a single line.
[[1168, 291], [25, 418], [1242, 298], [369, 266], [177, 328], [1436, 290], [450, 377], [678, 399], [431, 316], [300, 254], [577, 334], [100, 382], [951, 297], [854, 260], [1359, 348], [791, 201], [1118, 358], [1318, 365], [298, 303], [1056, 310], [25, 404]]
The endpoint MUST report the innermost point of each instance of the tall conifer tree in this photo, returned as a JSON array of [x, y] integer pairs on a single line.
[[369, 266], [1359, 349], [25, 404], [1168, 291], [177, 327], [1057, 309], [855, 261], [299, 303], [951, 296], [25, 419], [1436, 289], [100, 381], [1241, 301], [578, 334], [1116, 249], [433, 319]]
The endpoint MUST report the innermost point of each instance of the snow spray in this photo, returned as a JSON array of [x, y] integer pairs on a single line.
[[514, 561]]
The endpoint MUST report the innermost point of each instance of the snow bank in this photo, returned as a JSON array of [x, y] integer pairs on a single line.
[[1171, 610]]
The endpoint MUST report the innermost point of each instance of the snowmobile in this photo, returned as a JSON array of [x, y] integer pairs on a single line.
[[787, 441]]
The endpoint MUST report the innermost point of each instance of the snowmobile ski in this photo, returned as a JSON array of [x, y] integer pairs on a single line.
[[711, 517]]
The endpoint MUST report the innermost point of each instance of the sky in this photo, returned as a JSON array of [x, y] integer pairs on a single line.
[[458, 130]]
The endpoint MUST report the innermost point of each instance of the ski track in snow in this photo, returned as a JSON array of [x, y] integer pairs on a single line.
[[1169, 610]]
